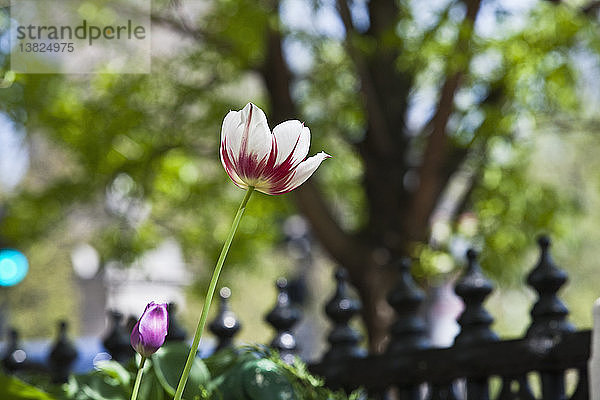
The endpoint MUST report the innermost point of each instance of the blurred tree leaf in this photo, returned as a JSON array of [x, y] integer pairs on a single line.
[[12, 388]]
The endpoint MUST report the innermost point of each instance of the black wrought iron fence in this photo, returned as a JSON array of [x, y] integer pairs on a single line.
[[410, 367], [414, 370]]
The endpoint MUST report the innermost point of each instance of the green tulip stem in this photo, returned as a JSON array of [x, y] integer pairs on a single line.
[[138, 379], [209, 295]]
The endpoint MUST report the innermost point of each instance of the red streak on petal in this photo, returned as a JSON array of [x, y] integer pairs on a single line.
[[276, 177], [229, 163]]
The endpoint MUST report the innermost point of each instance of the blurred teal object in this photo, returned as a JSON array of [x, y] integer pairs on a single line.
[[13, 267]]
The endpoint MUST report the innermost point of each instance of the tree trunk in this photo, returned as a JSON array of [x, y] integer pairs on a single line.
[[397, 216]]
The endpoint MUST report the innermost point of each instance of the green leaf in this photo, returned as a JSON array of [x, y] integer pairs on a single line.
[[219, 362], [264, 380], [230, 385], [97, 386], [252, 377], [150, 388], [14, 389], [168, 365], [115, 371]]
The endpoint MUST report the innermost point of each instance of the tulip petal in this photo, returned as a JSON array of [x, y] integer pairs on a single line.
[[246, 145], [272, 163], [150, 331], [304, 170], [230, 167], [256, 138], [136, 338], [246, 130], [153, 326], [293, 141], [230, 132]]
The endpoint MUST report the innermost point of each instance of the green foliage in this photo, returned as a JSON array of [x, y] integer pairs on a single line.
[[168, 365], [111, 381], [257, 373], [95, 386], [515, 83], [254, 378], [250, 373], [12, 388]]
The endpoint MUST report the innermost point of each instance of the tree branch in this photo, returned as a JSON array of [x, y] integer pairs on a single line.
[[438, 159], [434, 158], [194, 33], [338, 243], [591, 8], [379, 133], [385, 92], [277, 77]]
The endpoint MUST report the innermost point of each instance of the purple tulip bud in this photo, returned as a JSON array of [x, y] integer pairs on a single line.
[[150, 331]]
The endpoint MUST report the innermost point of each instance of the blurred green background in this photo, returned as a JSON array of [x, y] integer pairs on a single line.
[[493, 104]]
